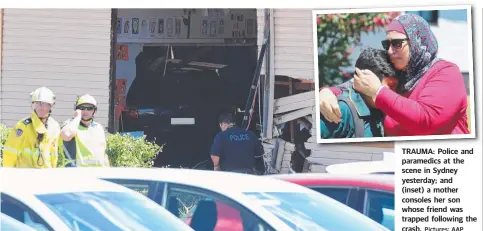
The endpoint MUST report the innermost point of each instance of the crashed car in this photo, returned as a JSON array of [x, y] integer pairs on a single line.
[[173, 103]]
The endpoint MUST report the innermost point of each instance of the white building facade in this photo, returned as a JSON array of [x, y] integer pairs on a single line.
[[71, 52]]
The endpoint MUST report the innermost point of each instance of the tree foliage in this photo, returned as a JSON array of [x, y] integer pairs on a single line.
[[338, 35]]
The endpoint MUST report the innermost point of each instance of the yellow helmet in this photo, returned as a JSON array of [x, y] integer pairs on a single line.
[[86, 99], [42, 94]]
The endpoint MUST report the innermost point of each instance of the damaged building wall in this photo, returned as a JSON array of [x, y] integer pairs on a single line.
[[278, 155], [315, 157], [291, 57]]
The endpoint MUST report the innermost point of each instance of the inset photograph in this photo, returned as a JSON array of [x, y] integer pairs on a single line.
[[394, 74]]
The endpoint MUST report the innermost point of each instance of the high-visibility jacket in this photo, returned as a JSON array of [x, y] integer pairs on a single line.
[[87, 148], [32, 144]]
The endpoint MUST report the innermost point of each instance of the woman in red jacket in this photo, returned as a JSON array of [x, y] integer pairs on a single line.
[[432, 99]]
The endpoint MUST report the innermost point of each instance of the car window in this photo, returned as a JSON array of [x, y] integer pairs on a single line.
[[20, 212], [338, 193], [205, 210], [140, 186], [312, 211], [93, 211], [8, 223], [150, 189], [380, 206]]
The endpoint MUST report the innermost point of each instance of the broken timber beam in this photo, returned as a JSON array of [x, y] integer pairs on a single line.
[[293, 102], [293, 115]]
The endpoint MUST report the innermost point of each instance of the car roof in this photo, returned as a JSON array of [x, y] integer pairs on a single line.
[[375, 181], [225, 182], [364, 167], [32, 181]]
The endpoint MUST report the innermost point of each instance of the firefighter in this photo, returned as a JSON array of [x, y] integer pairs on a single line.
[[83, 140], [34, 141]]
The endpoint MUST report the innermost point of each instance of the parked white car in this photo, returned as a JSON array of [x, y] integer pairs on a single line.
[[73, 202], [222, 201], [9, 224]]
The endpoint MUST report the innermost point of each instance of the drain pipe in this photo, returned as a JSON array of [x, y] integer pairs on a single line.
[[267, 131]]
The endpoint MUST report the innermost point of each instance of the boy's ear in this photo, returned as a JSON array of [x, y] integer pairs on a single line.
[[358, 71]]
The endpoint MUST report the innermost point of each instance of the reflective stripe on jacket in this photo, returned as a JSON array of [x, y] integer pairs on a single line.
[[32, 144], [87, 148]]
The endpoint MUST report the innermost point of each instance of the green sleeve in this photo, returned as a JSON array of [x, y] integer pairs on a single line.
[[343, 129]]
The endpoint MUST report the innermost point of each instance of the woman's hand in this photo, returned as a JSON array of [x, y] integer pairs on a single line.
[[367, 83], [328, 105]]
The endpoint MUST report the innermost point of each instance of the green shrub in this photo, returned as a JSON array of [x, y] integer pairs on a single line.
[[4, 131], [128, 151], [187, 201]]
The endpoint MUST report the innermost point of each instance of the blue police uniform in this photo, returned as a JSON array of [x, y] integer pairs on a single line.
[[237, 149]]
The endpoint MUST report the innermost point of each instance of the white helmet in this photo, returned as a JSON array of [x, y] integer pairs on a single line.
[[86, 99], [42, 94]]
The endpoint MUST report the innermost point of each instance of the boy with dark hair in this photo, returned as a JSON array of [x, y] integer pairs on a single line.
[[360, 118]]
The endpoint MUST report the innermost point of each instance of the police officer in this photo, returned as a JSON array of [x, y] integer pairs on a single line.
[[235, 149], [33, 142], [83, 139]]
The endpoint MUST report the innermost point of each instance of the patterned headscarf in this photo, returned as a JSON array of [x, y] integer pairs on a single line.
[[423, 47]]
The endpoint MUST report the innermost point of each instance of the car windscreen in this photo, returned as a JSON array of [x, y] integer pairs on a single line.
[[313, 212], [99, 211]]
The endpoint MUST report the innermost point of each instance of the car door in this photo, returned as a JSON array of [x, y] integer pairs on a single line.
[[206, 210], [380, 206], [22, 213]]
